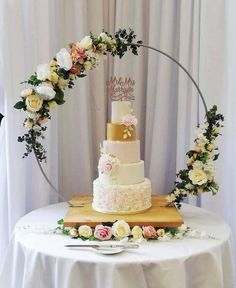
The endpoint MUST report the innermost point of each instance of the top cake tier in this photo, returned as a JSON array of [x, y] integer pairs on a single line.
[[123, 122], [119, 109]]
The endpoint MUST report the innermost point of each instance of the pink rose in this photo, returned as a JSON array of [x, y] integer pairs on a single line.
[[149, 232], [129, 120], [103, 232], [107, 167]]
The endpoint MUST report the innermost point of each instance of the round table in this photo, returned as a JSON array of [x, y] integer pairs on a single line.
[[37, 258]]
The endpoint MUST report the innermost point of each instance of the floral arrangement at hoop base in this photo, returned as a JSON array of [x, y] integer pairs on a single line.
[[198, 177]]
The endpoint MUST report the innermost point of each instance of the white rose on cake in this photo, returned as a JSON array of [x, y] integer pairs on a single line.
[[64, 59]]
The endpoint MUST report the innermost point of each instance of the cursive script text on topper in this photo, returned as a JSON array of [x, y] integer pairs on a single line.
[[120, 89]]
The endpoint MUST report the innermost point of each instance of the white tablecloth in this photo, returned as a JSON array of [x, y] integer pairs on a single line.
[[38, 259]]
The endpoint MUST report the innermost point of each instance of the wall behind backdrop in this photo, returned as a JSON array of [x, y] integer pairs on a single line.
[[197, 33]]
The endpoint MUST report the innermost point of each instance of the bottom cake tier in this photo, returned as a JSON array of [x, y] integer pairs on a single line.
[[121, 199]]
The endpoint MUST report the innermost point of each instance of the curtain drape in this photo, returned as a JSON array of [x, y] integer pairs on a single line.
[[166, 103]]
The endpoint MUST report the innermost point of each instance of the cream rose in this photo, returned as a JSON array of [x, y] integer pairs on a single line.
[[120, 229], [197, 176], [29, 123], [52, 104], [62, 83], [137, 232], [86, 43], [26, 92], [53, 77], [34, 103], [87, 65], [85, 231], [73, 233], [160, 232]]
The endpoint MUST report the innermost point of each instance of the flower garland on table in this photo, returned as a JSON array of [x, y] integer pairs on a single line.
[[198, 177], [121, 231]]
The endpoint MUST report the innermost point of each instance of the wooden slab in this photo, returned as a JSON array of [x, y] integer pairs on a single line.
[[158, 215]]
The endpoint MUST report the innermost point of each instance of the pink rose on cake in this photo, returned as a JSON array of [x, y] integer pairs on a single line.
[[129, 120], [108, 164], [103, 232]]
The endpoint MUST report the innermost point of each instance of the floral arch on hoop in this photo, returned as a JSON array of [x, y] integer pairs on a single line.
[[50, 81]]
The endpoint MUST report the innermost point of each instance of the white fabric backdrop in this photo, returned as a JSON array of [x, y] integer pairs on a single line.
[[166, 101]]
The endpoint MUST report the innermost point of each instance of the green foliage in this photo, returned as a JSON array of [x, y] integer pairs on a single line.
[[20, 105], [60, 222]]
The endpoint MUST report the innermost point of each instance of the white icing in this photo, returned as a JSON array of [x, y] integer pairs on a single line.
[[119, 109], [125, 174], [126, 152], [121, 198]]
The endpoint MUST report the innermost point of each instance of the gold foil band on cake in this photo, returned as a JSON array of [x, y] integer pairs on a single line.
[[115, 132]]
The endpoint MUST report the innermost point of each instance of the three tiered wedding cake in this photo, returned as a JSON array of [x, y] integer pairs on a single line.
[[121, 186]]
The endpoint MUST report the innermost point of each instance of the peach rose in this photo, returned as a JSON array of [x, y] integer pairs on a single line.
[[149, 232]]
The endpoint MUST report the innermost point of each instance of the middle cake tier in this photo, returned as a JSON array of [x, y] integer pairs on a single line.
[[126, 152], [125, 174]]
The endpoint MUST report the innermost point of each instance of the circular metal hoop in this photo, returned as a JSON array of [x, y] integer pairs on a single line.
[[151, 48]]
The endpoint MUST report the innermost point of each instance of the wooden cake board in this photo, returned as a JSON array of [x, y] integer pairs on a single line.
[[159, 215]]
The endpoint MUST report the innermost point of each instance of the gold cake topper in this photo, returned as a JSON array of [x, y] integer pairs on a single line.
[[120, 89]]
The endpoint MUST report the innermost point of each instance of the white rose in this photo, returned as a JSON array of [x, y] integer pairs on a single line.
[[43, 71], [105, 37], [198, 165], [85, 231], [170, 198], [46, 91], [34, 116], [73, 233], [137, 232], [64, 59], [26, 92], [86, 43], [197, 176], [120, 229]]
